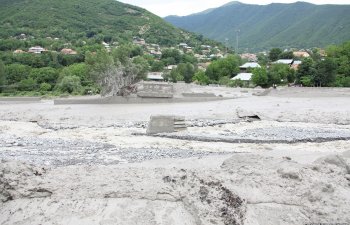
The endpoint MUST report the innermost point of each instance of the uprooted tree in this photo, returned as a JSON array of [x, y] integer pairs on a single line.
[[116, 77], [118, 80]]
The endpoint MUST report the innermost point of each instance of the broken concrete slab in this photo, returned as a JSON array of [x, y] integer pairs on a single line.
[[166, 124]]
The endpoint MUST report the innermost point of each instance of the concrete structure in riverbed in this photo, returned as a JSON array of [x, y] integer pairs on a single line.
[[155, 90], [166, 124]]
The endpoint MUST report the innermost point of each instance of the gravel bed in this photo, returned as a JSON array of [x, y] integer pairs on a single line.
[[288, 134], [58, 152], [143, 154]]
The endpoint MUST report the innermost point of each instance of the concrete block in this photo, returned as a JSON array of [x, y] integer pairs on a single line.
[[20, 99], [155, 90], [166, 124], [199, 95]]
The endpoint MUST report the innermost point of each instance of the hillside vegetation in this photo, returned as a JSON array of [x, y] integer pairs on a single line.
[[72, 20], [50, 47], [299, 25]]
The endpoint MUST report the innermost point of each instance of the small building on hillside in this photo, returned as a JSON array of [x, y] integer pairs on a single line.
[[244, 77], [301, 54], [249, 65], [284, 61], [250, 57], [171, 67], [155, 76], [203, 66], [139, 41], [296, 64], [68, 51], [19, 51], [36, 50]]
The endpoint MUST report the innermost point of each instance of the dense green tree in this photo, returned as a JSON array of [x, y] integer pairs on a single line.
[[325, 72], [262, 59], [280, 74], [307, 81], [98, 63], [44, 87], [16, 72], [80, 70], [274, 54], [186, 70], [226, 67], [172, 53], [201, 78], [44, 75], [306, 69], [157, 66], [142, 67], [27, 85], [260, 77], [2, 76], [124, 52], [189, 58], [175, 76], [69, 84], [286, 55]]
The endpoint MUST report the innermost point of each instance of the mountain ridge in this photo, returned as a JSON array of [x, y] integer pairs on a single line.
[[299, 25]]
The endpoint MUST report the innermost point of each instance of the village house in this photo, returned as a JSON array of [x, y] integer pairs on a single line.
[[296, 64], [107, 46], [36, 50], [155, 76], [244, 77], [284, 61], [203, 66], [301, 54], [250, 57], [139, 41], [19, 51], [155, 53], [171, 67], [68, 51], [249, 66]]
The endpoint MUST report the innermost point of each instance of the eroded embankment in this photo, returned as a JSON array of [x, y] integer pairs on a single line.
[[246, 189]]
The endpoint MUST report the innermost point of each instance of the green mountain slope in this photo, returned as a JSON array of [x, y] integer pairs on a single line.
[[76, 19], [299, 25]]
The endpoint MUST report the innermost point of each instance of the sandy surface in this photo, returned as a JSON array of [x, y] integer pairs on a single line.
[[94, 164]]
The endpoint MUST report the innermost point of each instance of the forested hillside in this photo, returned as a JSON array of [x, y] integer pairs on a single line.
[[50, 47], [298, 25], [72, 20]]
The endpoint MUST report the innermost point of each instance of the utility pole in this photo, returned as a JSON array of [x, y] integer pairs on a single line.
[[226, 46], [237, 40]]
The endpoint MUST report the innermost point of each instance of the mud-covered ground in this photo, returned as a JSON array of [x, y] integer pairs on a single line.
[[283, 158]]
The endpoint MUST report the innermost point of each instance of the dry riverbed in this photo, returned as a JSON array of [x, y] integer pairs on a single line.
[[283, 158]]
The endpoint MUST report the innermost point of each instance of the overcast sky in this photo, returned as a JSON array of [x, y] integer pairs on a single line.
[[185, 7]]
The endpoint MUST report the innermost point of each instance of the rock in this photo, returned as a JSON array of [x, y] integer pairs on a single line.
[[241, 113], [289, 173], [335, 160]]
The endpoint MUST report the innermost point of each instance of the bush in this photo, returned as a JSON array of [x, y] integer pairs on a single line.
[[45, 87], [236, 83], [70, 84], [342, 82], [224, 81], [201, 78], [306, 81], [27, 85]]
